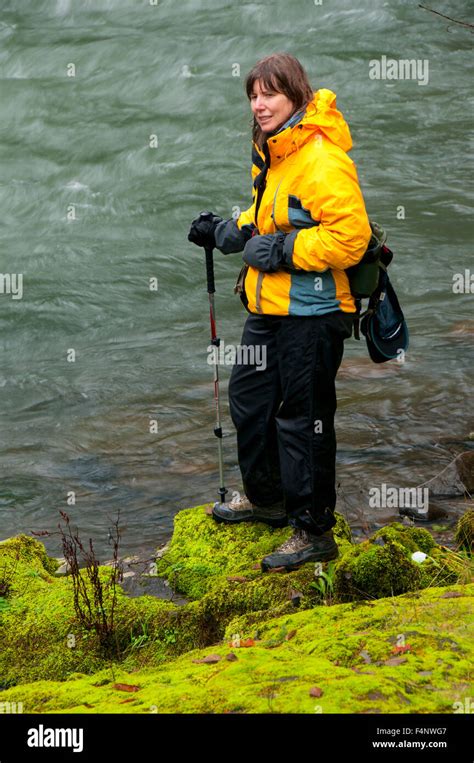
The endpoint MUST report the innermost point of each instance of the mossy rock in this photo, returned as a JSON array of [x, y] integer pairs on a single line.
[[414, 656], [411, 538], [202, 552], [383, 565], [41, 635], [465, 532], [21, 559]]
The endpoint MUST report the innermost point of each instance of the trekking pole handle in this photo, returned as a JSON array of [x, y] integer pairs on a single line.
[[210, 271], [209, 259]]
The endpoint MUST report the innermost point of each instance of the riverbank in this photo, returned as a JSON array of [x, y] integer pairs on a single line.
[[386, 629]]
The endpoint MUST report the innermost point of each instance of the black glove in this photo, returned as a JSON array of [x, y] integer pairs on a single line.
[[203, 228], [270, 252]]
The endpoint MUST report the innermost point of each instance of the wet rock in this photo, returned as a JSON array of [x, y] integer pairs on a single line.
[[209, 659], [130, 560], [139, 585], [456, 479], [63, 568], [162, 551], [436, 511]]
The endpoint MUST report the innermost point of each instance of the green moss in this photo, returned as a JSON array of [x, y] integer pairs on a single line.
[[372, 571], [203, 553], [383, 565], [411, 538], [343, 650], [29, 550], [40, 635], [218, 566], [465, 532], [23, 562]]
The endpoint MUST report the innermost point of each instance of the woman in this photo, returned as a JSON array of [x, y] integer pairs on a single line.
[[306, 225]]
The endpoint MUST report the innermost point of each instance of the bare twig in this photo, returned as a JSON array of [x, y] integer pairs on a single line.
[[90, 605], [443, 15]]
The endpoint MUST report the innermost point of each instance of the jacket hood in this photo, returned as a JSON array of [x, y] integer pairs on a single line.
[[323, 115]]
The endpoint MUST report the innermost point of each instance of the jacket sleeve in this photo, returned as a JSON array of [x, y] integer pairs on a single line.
[[230, 237], [342, 234]]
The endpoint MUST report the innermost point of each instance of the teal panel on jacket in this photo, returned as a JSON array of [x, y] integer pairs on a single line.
[[298, 216], [312, 293]]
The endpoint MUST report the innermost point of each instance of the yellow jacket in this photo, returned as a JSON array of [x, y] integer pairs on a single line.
[[311, 192]]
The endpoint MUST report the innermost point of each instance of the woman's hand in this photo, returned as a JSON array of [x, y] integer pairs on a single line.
[[202, 231], [268, 253]]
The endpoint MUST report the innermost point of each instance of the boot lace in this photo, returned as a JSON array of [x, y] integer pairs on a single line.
[[298, 540]]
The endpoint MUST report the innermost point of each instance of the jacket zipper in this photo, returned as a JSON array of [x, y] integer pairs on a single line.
[[274, 202], [260, 192]]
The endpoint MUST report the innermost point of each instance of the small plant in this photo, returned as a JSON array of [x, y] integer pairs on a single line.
[[169, 637], [136, 642], [324, 583]]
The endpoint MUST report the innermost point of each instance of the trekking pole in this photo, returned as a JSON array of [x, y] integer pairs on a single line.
[[216, 342]]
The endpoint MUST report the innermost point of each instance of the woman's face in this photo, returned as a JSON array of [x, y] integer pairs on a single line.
[[270, 109]]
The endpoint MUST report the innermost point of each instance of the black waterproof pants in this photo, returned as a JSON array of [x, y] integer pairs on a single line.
[[283, 408]]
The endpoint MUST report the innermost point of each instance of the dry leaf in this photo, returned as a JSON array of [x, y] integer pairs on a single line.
[[401, 649], [126, 687], [290, 635], [237, 579], [231, 657], [315, 691]]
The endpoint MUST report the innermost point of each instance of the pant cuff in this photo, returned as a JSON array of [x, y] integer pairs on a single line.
[[315, 525]]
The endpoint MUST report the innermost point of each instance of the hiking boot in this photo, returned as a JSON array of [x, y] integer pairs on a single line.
[[301, 548], [240, 509]]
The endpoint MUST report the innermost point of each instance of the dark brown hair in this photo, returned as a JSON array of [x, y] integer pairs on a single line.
[[282, 73]]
